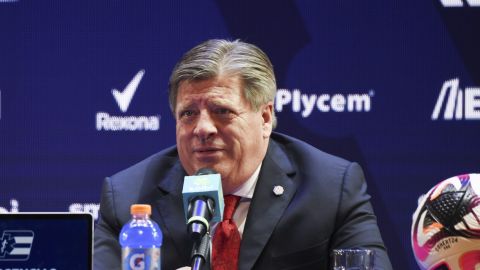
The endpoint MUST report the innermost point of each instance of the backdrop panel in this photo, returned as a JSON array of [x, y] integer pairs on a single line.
[[362, 80]]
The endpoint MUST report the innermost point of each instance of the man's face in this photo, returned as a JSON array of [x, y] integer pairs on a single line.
[[217, 128]]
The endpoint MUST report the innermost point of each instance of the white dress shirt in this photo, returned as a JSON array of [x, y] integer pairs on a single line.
[[245, 191]]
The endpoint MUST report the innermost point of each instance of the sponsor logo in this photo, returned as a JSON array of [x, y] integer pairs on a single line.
[[141, 258], [459, 104], [460, 3], [201, 181], [137, 261], [13, 207], [8, 1], [107, 122], [306, 104], [124, 98], [92, 208], [15, 245]]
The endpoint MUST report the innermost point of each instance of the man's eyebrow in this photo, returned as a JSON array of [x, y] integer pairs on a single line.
[[187, 103], [181, 108], [221, 101]]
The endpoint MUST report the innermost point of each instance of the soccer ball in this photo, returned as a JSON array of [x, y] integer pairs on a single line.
[[446, 225]]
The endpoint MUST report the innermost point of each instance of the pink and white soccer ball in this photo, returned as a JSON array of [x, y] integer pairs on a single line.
[[446, 225]]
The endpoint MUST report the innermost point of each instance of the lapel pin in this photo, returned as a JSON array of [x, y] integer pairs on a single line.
[[278, 190]]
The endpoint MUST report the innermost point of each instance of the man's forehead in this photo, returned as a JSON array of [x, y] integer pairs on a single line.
[[213, 88], [225, 80]]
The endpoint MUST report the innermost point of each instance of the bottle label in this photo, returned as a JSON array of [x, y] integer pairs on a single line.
[[140, 258]]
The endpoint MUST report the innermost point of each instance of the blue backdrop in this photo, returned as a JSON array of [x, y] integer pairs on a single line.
[[359, 79]]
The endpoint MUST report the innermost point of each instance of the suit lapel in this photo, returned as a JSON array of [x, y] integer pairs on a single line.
[[266, 208], [170, 210]]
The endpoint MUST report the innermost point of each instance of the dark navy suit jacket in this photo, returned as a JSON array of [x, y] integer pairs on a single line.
[[324, 206]]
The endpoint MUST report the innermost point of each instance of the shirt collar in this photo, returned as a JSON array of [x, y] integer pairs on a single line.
[[246, 189]]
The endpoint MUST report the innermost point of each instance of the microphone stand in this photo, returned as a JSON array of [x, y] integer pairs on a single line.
[[200, 252]]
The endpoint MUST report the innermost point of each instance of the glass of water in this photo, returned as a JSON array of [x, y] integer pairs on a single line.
[[353, 259]]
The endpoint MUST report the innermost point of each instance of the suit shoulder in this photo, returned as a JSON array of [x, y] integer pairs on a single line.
[[136, 183], [304, 154], [158, 161]]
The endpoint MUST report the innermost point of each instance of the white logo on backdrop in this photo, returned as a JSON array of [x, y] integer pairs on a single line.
[[91, 208], [460, 3], [306, 104], [124, 98], [107, 122], [461, 104], [13, 207]]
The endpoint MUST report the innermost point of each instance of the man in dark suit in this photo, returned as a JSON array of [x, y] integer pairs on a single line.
[[297, 203]]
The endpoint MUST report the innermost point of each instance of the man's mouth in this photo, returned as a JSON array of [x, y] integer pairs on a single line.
[[205, 149]]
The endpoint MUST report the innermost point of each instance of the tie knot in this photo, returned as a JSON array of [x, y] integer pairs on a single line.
[[231, 203]]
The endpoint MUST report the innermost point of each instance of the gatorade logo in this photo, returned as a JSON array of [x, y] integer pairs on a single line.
[[141, 258], [137, 261]]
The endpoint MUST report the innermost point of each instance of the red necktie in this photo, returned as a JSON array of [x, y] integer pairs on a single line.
[[226, 240]]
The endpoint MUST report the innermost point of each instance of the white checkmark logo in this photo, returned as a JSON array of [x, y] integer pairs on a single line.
[[124, 98]]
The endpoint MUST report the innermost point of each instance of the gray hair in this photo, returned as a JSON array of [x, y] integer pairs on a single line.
[[215, 57]]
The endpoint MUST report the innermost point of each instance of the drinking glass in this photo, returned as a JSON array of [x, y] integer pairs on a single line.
[[353, 259]]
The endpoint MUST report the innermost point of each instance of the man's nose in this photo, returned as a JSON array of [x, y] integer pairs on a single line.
[[205, 127]]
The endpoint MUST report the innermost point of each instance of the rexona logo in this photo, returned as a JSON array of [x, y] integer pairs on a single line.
[[306, 104], [123, 98], [460, 3], [15, 245], [464, 104]]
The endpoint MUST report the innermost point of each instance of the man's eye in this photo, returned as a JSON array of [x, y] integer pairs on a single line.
[[186, 113], [222, 111]]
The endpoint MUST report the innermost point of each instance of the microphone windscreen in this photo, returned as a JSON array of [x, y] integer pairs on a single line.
[[204, 171]]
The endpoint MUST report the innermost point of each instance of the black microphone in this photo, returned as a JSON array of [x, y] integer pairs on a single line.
[[202, 203], [200, 210]]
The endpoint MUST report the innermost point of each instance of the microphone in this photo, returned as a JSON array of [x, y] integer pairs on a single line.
[[202, 201]]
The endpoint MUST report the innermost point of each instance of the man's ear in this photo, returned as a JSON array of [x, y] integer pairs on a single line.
[[267, 116]]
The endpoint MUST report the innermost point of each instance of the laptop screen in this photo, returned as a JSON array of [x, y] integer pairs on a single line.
[[47, 241]]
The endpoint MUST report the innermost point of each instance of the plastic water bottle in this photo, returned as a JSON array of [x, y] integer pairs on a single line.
[[141, 240]]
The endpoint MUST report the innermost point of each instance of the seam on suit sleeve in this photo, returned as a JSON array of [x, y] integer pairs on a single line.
[[342, 186], [110, 183]]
